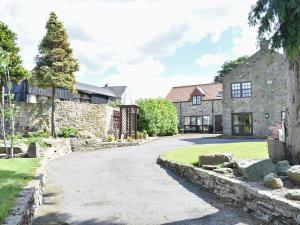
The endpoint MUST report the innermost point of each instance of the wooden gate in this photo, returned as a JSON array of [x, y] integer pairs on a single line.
[[128, 121]]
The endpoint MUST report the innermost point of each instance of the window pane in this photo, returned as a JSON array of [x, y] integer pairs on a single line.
[[199, 120], [246, 85], [193, 121], [246, 89], [236, 130], [236, 120], [235, 86], [206, 120], [187, 120]]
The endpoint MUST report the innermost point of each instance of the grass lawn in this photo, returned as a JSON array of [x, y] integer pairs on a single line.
[[14, 174], [241, 150]]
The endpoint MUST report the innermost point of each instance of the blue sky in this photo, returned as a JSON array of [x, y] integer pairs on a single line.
[[148, 45]]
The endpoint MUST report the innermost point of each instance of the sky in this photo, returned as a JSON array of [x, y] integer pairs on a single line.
[[147, 45]]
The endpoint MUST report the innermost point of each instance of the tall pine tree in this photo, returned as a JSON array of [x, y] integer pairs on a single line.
[[55, 65]]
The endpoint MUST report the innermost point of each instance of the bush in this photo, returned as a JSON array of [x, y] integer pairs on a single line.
[[35, 137], [157, 117], [67, 132], [110, 138]]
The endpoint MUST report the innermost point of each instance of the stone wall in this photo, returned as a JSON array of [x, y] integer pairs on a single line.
[[268, 73], [93, 118], [272, 209], [207, 108]]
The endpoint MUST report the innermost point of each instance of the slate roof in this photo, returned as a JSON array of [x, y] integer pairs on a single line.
[[91, 89], [183, 93], [118, 90]]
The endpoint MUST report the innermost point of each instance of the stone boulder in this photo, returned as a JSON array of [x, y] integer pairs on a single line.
[[18, 149], [282, 167], [214, 159], [293, 195], [34, 150], [255, 170], [276, 150], [272, 181], [209, 167], [224, 171], [294, 173], [231, 165], [86, 135]]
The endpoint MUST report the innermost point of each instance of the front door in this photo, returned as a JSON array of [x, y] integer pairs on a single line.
[[218, 124]]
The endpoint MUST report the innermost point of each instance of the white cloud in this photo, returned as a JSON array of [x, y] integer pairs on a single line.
[[129, 34], [145, 79], [211, 59]]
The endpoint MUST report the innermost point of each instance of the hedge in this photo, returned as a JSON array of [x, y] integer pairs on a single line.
[[157, 116]]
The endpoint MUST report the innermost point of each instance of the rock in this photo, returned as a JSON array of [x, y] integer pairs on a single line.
[[294, 173], [223, 171], [293, 195], [34, 150], [209, 167], [255, 170], [231, 165], [214, 159], [272, 181], [18, 149], [276, 150], [86, 135], [282, 167]]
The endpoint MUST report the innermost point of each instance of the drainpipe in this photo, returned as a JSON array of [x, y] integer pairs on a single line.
[[212, 115], [180, 119]]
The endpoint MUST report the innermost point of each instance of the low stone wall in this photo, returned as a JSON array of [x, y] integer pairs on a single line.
[[96, 144], [261, 203], [29, 199], [93, 118], [32, 194]]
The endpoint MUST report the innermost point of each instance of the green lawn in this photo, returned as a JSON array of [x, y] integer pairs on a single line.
[[14, 174], [242, 150]]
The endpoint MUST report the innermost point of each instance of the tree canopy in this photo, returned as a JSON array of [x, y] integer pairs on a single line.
[[280, 21], [55, 65], [10, 49], [228, 66]]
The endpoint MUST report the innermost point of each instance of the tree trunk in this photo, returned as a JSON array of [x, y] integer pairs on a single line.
[[53, 131], [2, 92], [293, 114]]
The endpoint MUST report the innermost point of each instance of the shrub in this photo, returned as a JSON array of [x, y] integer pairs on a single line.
[[110, 138], [67, 132], [157, 117], [35, 137], [129, 139]]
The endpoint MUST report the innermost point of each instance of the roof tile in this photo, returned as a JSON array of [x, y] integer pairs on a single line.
[[183, 93]]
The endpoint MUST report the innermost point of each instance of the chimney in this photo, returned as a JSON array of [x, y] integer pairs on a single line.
[[264, 44]]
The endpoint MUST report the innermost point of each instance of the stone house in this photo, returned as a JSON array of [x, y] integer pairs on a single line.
[[255, 94], [250, 101], [25, 92], [198, 106]]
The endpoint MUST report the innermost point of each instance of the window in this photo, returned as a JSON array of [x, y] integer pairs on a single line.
[[196, 100], [282, 115], [197, 123], [242, 123], [241, 90]]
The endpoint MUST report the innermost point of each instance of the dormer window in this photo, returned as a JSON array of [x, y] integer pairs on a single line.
[[196, 100]]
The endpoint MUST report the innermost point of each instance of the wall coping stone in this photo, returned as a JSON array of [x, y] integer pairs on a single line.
[[265, 206]]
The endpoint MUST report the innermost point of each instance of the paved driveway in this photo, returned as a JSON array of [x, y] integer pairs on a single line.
[[126, 186]]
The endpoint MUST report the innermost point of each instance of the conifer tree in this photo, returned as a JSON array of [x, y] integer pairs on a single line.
[[55, 65]]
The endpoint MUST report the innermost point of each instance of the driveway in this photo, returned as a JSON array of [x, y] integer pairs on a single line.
[[126, 186]]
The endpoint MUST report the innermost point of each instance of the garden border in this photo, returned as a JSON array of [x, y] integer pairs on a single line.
[[261, 203], [29, 198]]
